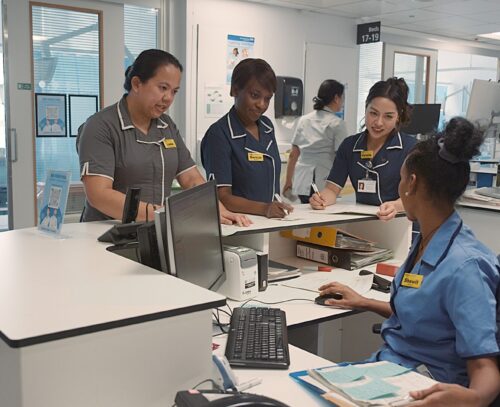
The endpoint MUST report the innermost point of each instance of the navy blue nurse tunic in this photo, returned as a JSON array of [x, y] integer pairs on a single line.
[[236, 159], [384, 167]]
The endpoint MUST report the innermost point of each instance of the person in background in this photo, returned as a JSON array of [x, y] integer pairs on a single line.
[[240, 149], [442, 315], [372, 159], [133, 143], [317, 138]]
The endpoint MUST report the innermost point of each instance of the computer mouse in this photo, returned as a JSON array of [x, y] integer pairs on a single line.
[[322, 298]]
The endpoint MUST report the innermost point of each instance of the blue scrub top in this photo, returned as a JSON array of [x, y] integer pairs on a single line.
[[452, 316], [226, 149], [383, 168]]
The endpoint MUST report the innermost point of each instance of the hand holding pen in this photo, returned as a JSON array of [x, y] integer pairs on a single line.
[[316, 201], [278, 209]]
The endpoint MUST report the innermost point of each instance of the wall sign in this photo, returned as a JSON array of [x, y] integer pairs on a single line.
[[369, 32]]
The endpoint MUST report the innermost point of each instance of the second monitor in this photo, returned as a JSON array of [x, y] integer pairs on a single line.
[[424, 119]]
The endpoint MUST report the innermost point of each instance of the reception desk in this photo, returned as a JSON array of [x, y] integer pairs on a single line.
[[81, 326]]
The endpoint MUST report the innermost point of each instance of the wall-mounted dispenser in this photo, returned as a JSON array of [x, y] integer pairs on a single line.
[[289, 97]]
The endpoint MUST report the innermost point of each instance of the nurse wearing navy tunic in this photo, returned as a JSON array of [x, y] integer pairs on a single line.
[[240, 149], [372, 159]]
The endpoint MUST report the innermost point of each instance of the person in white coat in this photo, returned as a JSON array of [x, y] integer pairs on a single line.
[[316, 139]]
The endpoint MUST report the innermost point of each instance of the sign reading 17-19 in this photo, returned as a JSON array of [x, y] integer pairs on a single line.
[[369, 32]]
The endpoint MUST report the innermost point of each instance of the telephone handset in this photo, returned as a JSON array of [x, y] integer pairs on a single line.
[[229, 379]]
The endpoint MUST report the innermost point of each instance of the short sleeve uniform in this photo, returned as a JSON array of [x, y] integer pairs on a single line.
[[236, 159], [451, 316], [384, 167], [318, 136], [110, 146]]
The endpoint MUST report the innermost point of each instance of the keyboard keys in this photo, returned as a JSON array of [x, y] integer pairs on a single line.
[[258, 338]]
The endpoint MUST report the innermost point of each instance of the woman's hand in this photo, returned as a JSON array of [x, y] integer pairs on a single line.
[[350, 298], [288, 185], [317, 201], [277, 209], [443, 394], [231, 218], [390, 209], [328, 196]]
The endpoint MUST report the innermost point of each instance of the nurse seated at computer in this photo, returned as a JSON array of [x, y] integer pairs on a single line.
[[441, 317], [372, 159], [240, 149]]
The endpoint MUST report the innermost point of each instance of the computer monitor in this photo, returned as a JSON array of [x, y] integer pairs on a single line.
[[190, 236], [424, 119]]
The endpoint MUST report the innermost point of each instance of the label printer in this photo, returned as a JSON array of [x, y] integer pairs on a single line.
[[240, 264]]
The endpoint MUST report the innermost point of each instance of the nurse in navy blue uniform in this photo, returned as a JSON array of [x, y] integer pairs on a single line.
[[442, 314], [240, 149], [372, 159]]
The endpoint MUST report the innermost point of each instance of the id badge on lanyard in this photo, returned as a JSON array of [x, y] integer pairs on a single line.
[[367, 185]]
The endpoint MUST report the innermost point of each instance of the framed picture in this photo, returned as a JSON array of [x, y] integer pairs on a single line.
[[81, 107], [50, 115]]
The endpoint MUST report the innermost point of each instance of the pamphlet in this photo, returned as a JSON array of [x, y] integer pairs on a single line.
[[55, 197]]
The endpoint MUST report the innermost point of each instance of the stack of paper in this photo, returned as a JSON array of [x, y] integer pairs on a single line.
[[368, 384]]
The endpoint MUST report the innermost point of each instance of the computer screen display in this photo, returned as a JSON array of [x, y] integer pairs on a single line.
[[424, 119], [193, 245]]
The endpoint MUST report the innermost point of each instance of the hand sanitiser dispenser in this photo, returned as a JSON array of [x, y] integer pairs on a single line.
[[241, 273]]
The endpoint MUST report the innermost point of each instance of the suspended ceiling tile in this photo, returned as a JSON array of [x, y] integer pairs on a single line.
[[464, 8]]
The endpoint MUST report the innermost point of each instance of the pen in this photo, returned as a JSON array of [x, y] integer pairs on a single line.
[[315, 188], [278, 199]]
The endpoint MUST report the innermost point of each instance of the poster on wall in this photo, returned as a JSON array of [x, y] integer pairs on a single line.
[[214, 101], [55, 197], [50, 115], [239, 47]]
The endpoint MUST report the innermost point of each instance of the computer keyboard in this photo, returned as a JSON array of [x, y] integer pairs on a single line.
[[258, 338]]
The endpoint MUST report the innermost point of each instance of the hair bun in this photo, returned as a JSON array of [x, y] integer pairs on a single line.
[[462, 138]]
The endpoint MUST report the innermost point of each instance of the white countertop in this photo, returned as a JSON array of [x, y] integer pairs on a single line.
[[53, 288]]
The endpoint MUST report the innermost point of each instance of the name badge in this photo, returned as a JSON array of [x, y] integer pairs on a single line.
[[255, 157], [367, 185], [367, 154], [412, 280], [169, 143]]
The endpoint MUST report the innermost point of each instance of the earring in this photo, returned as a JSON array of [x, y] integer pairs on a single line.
[[407, 193]]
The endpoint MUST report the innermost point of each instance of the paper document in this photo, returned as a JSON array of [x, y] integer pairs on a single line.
[[359, 209], [370, 384], [312, 281]]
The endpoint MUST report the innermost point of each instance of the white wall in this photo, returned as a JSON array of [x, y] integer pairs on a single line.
[[280, 35]]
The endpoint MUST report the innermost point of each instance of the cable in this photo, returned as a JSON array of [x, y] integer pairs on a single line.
[[277, 302]]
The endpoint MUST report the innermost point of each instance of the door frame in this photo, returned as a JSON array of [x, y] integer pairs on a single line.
[[431, 75]]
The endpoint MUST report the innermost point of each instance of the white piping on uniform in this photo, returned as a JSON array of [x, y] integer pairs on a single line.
[[163, 125], [269, 145], [224, 185], [354, 149], [274, 168], [334, 183], [85, 171], [378, 180], [162, 176], [231, 129], [381, 165], [400, 147], [269, 128], [183, 171], [121, 119]]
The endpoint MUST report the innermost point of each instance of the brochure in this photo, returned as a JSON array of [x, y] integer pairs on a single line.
[[55, 197]]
